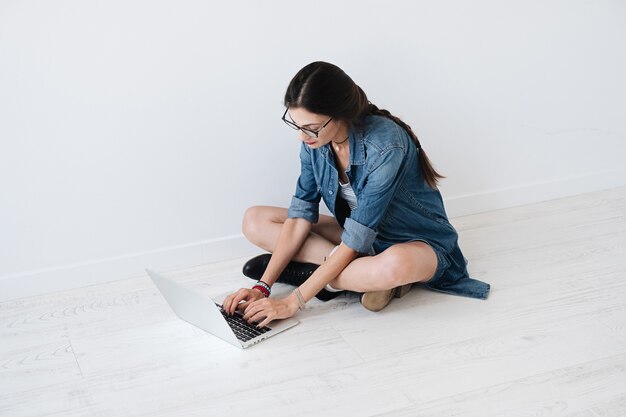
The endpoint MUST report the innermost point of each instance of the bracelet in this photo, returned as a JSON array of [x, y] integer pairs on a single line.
[[265, 289], [262, 290], [301, 303], [264, 285]]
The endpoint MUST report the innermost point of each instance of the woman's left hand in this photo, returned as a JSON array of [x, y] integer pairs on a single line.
[[267, 309]]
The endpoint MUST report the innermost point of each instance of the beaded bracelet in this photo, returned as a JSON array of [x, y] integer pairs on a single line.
[[265, 289]]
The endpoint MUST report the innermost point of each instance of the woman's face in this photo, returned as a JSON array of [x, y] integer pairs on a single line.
[[311, 121]]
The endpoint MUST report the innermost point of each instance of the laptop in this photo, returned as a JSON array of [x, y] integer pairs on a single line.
[[205, 313]]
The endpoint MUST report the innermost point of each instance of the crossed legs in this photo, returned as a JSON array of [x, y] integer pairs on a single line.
[[401, 264]]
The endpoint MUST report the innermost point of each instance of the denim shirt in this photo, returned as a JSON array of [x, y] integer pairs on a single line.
[[394, 203]]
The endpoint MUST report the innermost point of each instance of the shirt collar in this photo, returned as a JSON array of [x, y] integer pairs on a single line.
[[357, 148]]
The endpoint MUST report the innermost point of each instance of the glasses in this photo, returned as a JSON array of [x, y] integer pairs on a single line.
[[308, 132]]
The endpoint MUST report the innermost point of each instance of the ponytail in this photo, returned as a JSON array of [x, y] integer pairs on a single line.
[[430, 175]]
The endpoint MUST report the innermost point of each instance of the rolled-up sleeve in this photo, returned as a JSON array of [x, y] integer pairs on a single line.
[[305, 201], [361, 228], [357, 236]]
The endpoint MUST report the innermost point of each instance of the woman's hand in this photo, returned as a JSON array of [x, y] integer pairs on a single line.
[[267, 309], [241, 298]]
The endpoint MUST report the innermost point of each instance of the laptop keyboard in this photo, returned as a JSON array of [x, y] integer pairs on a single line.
[[242, 329]]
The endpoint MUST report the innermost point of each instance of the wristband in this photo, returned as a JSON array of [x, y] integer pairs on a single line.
[[265, 289]]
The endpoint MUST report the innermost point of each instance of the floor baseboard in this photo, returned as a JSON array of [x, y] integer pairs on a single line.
[[100, 271], [31, 283], [463, 205]]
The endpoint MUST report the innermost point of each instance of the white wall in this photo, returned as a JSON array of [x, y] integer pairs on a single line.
[[135, 133]]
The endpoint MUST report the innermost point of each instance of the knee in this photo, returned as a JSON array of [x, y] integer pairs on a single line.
[[252, 222], [395, 269]]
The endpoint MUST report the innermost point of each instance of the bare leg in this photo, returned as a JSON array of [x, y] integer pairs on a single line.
[[262, 225], [401, 264]]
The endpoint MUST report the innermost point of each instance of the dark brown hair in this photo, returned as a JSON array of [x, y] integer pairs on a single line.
[[324, 88]]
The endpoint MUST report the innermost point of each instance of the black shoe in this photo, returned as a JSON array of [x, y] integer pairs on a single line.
[[296, 273], [256, 266]]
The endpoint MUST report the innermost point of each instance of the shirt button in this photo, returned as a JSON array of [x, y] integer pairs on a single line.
[[330, 192]]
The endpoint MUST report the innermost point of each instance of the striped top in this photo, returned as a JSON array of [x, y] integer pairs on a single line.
[[347, 193]]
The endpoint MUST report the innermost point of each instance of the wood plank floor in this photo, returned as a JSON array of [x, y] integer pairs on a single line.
[[550, 340]]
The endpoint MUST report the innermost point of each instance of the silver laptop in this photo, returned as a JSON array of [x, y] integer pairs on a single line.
[[205, 313]]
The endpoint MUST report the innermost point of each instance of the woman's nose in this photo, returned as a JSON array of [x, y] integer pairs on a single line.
[[303, 136]]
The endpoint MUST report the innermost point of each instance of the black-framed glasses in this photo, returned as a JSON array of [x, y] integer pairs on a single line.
[[308, 132]]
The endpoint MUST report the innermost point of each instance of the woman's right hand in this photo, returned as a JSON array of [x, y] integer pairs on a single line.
[[240, 299]]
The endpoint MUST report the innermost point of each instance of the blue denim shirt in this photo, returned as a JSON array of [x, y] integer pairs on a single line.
[[394, 203]]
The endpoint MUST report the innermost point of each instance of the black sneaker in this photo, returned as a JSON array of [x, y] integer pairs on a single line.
[[295, 273]]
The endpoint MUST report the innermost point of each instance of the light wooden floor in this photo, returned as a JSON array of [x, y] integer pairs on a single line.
[[550, 341]]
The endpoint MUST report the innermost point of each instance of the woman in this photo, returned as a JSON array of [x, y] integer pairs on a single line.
[[389, 228]]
